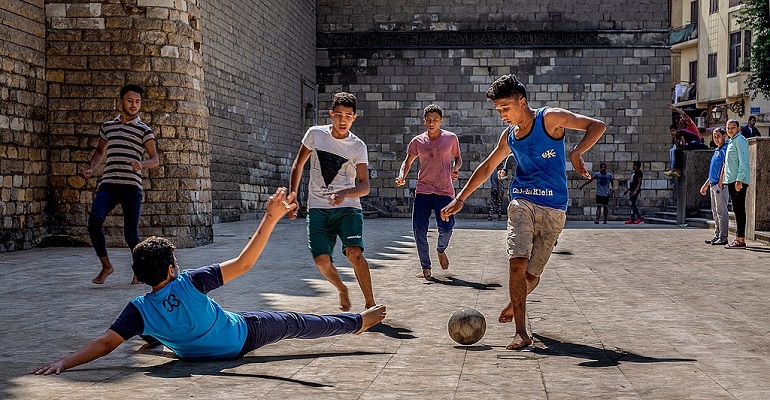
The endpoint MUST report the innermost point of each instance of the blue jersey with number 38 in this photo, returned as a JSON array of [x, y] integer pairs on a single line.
[[190, 323]]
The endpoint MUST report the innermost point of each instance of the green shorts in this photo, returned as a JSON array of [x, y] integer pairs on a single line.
[[325, 224]]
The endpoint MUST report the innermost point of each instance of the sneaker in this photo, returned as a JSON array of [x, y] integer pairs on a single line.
[[630, 222], [605, 222], [719, 242], [711, 241], [596, 222], [736, 245], [639, 221], [489, 218]]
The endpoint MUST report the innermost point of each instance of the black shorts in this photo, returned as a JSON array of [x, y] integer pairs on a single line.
[[602, 200]]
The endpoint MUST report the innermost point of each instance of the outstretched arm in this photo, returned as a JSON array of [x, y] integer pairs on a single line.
[[589, 181], [681, 113], [278, 205], [404, 171], [96, 348], [478, 177]]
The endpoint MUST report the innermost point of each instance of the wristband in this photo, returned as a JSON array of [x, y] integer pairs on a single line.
[[460, 200]]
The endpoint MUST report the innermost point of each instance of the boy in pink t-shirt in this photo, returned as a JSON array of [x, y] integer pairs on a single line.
[[440, 161]]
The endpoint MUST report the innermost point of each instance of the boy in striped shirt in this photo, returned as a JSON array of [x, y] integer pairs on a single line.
[[122, 141]]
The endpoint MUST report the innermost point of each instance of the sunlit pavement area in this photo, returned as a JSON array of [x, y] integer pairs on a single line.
[[621, 312]]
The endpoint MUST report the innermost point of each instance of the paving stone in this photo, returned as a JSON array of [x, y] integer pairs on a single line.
[[622, 312]]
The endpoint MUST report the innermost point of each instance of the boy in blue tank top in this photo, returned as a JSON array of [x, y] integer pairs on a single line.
[[539, 197], [179, 313]]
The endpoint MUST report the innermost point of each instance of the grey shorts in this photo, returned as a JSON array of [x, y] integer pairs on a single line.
[[533, 231]]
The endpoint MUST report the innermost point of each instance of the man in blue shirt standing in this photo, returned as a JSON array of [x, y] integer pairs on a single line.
[[737, 175], [539, 195], [719, 196], [604, 190]]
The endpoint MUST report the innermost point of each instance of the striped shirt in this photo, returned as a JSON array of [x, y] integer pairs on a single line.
[[125, 143]]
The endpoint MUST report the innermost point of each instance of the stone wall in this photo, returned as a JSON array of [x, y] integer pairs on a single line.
[[400, 61], [93, 49], [490, 15], [259, 61], [757, 206], [23, 141]]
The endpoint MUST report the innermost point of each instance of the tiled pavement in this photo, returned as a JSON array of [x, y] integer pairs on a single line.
[[622, 312]]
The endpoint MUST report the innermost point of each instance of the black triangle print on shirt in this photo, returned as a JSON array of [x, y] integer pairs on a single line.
[[330, 165]]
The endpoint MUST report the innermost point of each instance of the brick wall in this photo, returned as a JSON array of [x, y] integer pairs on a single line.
[[519, 15], [259, 61], [400, 61], [94, 49], [23, 155]]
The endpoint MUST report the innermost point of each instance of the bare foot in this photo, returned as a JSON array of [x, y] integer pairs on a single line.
[[507, 314], [425, 273], [135, 281], [103, 274], [372, 316], [520, 341], [344, 300], [443, 260]]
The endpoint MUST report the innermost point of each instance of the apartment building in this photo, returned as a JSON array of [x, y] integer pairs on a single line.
[[710, 51]]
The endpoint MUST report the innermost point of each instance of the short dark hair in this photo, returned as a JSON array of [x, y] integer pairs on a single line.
[[603, 165], [506, 86], [151, 259], [638, 164], [673, 127], [734, 121], [344, 99], [752, 118], [131, 88], [433, 108]]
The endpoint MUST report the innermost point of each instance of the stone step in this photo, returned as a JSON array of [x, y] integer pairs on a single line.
[[660, 221], [700, 222], [666, 215], [762, 236]]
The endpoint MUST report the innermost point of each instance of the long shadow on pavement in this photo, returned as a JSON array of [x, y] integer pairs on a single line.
[[392, 331], [600, 357], [176, 368], [452, 281]]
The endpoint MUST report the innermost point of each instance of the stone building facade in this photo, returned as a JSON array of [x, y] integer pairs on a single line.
[[259, 64], [231, 87], [23, 137], [597, 58]]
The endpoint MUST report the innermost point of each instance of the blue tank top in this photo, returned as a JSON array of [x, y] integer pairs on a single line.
[[541, 175], [190, 323]]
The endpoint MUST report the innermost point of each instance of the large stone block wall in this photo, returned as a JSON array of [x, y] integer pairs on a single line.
[[620, 77], [259, 61], [518, 15], [95, 48], [23, 141]]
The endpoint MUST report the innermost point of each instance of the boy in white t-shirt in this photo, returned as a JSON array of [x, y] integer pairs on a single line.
[[338, 178]]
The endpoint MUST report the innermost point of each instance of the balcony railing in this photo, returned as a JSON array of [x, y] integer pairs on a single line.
[[683, 34]]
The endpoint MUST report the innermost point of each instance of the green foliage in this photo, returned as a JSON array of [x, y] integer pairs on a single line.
[[756, 17]]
